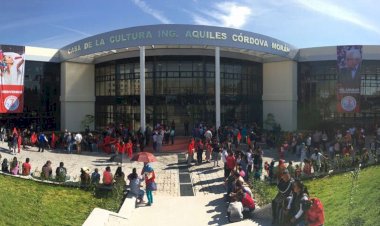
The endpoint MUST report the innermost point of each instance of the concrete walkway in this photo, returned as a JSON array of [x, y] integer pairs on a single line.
[[185, 196], [206, 207]]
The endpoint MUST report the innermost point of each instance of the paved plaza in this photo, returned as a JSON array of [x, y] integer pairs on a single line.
[[186, 195]]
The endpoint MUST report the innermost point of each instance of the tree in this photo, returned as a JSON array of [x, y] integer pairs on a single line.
[[87, 122]]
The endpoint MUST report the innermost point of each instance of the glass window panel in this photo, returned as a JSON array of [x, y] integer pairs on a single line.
[[172, 66], [210, 67], [186, 66]]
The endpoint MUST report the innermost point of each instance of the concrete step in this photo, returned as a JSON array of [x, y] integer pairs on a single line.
[[189, 210]]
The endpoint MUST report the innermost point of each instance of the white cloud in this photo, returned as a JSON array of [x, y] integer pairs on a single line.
[[226, 14], [339, 13], [147, 9]]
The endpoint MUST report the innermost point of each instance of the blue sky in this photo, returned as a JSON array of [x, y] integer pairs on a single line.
[[302, 23]]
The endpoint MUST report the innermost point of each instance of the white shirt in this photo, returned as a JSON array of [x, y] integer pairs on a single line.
[[235, 209], [78, 137], [208, 134], [317, 157], [224, 155]]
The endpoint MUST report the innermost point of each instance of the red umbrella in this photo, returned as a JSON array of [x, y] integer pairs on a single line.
[[144, 157]]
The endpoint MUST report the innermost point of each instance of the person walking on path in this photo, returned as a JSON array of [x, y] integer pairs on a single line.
[[150, 177], [215, 152], [190, 151], [42, 142]]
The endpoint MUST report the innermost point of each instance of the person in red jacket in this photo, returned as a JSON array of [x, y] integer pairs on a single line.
[[190, 151], [315, 216], [129, 148]]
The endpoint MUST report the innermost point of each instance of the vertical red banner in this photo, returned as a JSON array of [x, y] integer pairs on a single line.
[[349, 60], [12, 68]]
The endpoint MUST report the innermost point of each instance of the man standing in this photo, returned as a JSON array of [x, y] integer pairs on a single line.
[[159, 139], [349, 76], [42, 141], [78, 140]]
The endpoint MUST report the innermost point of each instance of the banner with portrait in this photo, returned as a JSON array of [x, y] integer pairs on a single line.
[[349, 59], [12, 68]]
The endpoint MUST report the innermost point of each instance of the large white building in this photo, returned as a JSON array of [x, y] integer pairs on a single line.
[[190, 73]]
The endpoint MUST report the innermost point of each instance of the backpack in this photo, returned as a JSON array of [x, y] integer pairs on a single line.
[[61, 171]]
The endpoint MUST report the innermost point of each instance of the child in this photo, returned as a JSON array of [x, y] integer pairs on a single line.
[[266, 168], [307, 168], [298, 172]]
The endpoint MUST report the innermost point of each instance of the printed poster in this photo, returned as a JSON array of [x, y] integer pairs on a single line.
[[349, 59], [12, 69]]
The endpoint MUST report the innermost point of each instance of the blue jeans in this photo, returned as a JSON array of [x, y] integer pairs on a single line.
[[149, 195]]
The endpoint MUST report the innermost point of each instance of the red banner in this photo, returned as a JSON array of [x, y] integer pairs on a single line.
[[12, 65]]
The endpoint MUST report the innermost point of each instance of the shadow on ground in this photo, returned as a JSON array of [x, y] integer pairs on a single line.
[[219, 213]]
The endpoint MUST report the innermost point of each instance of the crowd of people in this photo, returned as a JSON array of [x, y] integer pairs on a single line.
[[117, 139], [317, 151], [88, 179]]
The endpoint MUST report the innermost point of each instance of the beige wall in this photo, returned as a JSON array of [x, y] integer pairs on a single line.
[[77, 94], [280, 93]]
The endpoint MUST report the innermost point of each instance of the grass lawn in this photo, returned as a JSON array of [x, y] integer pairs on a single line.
[[334, 192], [26, 202]]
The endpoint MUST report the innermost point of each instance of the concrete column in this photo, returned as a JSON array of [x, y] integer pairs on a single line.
[[280, 93], [217, 86], [142, 88], [77, 94]]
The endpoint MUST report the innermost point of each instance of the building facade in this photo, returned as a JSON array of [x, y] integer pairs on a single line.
[[147, 75]]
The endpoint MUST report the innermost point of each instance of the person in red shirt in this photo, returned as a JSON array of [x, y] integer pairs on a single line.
[[190, 151], [107, 176], [230, 162], [315, 216], [33, 138], [26, 167], [208, 151], [248, 204], [19, 141], [199, 147], [238, 137], [129, 148]]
